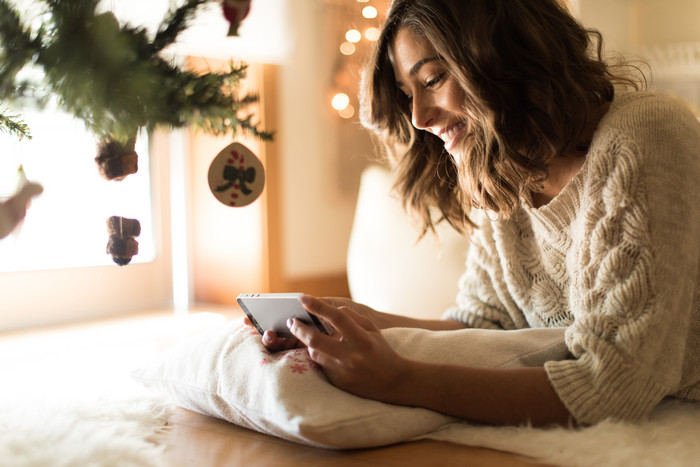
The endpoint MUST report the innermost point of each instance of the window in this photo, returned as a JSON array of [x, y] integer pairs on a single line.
[[66, 225], [55, 267]]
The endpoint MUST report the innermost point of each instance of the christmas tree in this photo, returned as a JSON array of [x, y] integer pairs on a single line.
[[114, 77], [118, 80]]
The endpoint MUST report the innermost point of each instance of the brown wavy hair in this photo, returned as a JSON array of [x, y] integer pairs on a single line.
[[531, 74]]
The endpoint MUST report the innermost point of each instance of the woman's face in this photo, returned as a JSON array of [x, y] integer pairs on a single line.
[[435, 97]]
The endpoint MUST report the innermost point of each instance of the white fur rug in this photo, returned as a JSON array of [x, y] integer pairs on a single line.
[[670, 438], [67, 398], [125, 433], [105, 433], [72, 403]]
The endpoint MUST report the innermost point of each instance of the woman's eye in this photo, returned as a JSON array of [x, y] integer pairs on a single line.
[[433, 80]]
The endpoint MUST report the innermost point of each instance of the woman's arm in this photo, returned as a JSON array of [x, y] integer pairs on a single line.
[[359, 360], [494, 396], [387, 320], [378, 319]]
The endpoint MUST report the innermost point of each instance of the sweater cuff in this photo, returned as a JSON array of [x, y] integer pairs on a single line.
[[591, 396]]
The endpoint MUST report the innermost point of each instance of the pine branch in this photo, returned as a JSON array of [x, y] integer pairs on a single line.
[[176, 22], [18, 48], [111, 76], [10, 125]]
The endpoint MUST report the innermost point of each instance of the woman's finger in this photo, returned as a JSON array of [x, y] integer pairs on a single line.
[[361, 320], [311, 337], [274, 343], [323, 359], [339, 320]]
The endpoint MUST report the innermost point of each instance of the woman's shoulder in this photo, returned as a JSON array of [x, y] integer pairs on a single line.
[[645, 110], [650, 127], [646, 139]]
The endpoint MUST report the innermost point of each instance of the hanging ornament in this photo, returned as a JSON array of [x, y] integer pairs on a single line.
[[116, 160], [13, 210], [236, 176], [122, 244], [235, 12]]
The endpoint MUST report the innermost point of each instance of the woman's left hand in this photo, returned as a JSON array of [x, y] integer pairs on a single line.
[[356, 357]]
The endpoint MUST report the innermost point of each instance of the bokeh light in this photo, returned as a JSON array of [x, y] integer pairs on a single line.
[[347, 48], [340, 101], [353, 35], [369, 12]]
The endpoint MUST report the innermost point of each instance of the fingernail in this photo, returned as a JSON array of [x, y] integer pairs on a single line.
[[266, 337], [290, 323], [305, 299]]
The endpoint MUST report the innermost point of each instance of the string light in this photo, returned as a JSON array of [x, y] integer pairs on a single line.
[[363, 29], [340, 101], [347, 48], [347, 112], [372, 34], [353, 35], [369, 12]]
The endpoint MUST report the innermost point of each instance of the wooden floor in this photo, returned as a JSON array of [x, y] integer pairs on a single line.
[[93, 356], [199, 441]]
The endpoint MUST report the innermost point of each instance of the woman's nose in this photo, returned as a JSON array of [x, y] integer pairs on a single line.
[[422, 112]]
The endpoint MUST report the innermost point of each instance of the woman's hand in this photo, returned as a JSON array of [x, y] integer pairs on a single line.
[[274, 343], [380, 320], [356, 357]]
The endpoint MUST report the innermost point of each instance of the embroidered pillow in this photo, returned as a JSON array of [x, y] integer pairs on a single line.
[[228, 374]]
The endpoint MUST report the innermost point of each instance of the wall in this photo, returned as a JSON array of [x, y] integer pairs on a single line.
[[664, 34], [668, 21], [317, 208], [319, 156], [316, 166], [629, 24], [228, 245], [613, 18]]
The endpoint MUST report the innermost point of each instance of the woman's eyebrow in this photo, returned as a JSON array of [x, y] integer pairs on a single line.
[[417, 66], [414, 69]]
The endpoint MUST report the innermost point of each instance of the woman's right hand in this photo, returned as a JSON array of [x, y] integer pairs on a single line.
[[380, 320]]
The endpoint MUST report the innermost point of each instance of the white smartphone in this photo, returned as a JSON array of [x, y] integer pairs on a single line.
[[272, 310]]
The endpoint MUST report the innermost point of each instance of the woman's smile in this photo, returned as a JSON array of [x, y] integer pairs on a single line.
[[449, 135]]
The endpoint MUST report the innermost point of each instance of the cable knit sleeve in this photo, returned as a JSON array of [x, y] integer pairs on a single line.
[[634, 269]]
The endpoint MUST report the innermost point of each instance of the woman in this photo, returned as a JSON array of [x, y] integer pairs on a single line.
[[580, 194]]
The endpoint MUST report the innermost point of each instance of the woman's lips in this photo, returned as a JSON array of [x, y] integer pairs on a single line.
[[449, 136]]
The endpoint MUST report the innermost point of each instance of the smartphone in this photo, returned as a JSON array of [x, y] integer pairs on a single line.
[[272, 310]]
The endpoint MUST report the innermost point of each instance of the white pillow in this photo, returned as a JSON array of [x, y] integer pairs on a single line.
[[228, 374], [388, 268]]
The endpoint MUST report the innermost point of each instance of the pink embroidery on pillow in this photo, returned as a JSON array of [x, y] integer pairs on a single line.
[[299, 359], [299, 368]]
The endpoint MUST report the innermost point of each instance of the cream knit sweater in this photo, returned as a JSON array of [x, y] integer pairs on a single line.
[[615, 257]]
